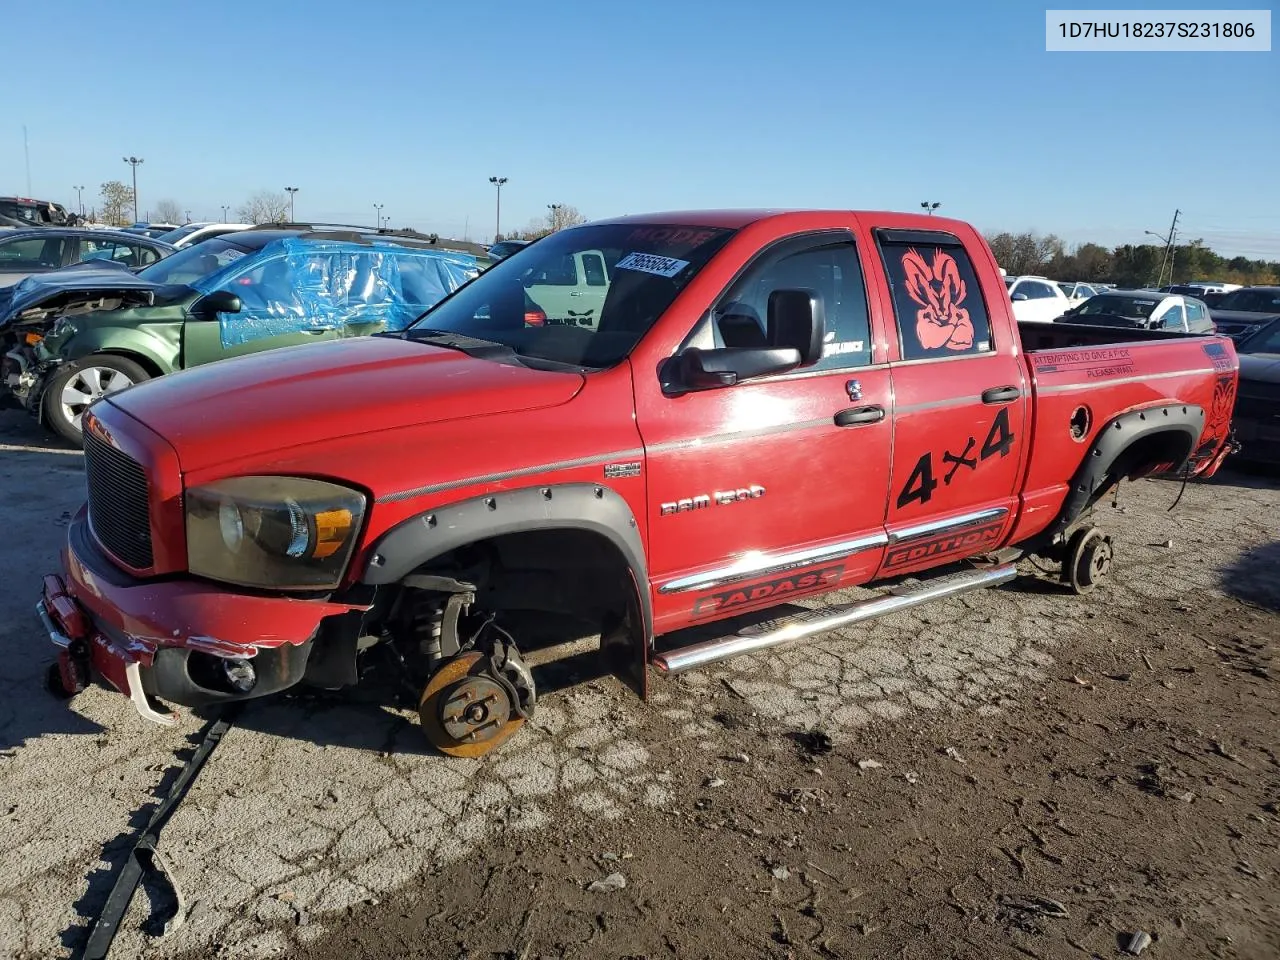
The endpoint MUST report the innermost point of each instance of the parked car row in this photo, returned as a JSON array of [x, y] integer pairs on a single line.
[[72, 336]]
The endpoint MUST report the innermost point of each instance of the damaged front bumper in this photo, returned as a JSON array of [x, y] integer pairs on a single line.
[[187, 642]]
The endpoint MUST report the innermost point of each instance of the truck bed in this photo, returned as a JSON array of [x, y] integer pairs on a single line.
[[1050, 336]]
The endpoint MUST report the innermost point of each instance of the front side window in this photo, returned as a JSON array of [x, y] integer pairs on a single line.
[[1195, 312], [205, 260], [1035, 290], [1171, 319], [826, 268], [519, 303], [937, 300]]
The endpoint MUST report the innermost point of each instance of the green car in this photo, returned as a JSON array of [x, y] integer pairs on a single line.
[[72, 336]]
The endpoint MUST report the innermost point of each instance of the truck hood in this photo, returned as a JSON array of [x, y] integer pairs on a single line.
[[62, 290], [1262, 367], [268, 402]]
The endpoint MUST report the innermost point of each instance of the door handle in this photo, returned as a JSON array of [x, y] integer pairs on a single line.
[[856, 416], [1001, 395]]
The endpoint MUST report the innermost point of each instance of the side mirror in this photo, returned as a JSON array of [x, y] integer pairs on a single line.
[[1019, 297], [219, 301], [723, 367], [797, 321]]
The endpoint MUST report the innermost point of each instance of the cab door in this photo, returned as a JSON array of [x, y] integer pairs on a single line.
[[285, 300], [960, 407], [773, 487]]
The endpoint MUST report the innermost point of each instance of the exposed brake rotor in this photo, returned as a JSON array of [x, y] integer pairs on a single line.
[[474, 703]]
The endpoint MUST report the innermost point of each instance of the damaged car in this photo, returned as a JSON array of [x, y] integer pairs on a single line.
[[76, 335]]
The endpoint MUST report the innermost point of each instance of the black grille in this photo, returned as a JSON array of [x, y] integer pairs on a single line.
[[118, 502]]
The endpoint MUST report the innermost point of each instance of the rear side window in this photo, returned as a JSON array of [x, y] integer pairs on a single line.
[[937, 301], [31, 253]]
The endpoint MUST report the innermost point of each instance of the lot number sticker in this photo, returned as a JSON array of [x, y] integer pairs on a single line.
[[651, 263]]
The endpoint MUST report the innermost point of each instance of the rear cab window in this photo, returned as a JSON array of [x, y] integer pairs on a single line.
[[937, 301]]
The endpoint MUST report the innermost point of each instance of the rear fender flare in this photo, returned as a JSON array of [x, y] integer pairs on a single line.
[[572, 506], [1177, 426]]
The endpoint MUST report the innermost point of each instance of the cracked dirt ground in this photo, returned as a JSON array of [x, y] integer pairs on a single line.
[[1111, 768]]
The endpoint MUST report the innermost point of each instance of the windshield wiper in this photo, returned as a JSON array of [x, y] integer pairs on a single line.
[[471, 346]]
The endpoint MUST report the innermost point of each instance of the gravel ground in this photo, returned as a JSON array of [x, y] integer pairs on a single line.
[[324, 825]]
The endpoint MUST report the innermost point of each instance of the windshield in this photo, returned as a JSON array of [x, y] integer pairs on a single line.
[[1138, 307], [194, 263], [583, 296], [1251, 301]]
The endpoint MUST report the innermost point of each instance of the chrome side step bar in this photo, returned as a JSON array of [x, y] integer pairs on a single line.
[[811, 622]]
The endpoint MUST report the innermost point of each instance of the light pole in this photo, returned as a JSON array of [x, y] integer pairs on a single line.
[[930, 207], [497, 220], [291, 191], [80, 200], [377, 214], [133, 162], [188, 216], [555, 220], [225, 208]]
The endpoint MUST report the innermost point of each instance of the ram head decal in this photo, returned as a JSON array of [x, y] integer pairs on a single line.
[[939, 290]]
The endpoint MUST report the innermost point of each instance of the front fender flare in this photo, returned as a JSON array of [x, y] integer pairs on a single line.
[[575, 506]]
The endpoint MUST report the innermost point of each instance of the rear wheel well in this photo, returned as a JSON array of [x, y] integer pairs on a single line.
[[1135, 444]]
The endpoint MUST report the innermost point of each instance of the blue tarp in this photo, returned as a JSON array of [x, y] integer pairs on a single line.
[[297, 284]]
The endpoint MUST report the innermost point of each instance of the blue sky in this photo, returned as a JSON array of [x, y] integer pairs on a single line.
[[630, 107]]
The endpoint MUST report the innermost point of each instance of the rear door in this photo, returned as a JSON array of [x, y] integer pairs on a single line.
[[960, 406]]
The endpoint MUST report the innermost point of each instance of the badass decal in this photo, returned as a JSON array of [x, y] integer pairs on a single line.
[[939, 290], [652, 263], [769, 592], [921, 484], [963, 541]]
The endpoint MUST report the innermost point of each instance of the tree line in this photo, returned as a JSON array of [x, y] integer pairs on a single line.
[[1127, 265]]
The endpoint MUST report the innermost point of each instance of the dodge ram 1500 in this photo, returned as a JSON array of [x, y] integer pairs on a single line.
[[766, 407]]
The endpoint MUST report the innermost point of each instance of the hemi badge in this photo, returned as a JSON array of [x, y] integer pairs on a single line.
[[617, 471]]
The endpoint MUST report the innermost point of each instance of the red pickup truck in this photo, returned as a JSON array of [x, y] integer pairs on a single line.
[[743, 409]]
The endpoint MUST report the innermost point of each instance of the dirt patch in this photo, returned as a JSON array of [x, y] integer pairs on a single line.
[[1137, 791]]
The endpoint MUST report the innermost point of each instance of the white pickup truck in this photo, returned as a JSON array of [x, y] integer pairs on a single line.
[[570, 289], [1036, 299]]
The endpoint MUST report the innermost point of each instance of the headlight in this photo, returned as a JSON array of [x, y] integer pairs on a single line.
[[284, 533]]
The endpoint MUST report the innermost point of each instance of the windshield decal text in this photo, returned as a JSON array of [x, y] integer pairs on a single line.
[[652, 263]]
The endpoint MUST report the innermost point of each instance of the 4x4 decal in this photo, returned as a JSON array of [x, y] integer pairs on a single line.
[[921, 484]]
